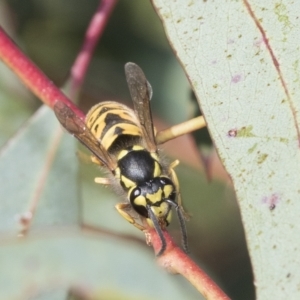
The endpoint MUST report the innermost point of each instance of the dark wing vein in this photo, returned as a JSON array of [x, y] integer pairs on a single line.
[[77, 127], [140, 91]]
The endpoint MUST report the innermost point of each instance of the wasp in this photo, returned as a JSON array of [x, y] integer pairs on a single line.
[[124, 142]]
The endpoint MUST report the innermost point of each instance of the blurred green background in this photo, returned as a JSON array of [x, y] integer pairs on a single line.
[[51, 32]]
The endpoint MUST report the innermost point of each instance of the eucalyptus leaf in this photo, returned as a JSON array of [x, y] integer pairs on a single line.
[[45, 267], [38, 167], [242, 59]]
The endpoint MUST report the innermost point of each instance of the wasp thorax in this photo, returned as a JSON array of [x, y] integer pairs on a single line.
[[136, 166]]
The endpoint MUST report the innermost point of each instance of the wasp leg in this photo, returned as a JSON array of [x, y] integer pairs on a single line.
[[96, 161], [82, 156], [174, 178], [179, 129], [122, 210], [100, 180], [89, 158], [104, 181], [182, 215]]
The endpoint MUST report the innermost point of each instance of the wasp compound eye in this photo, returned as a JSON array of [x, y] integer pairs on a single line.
[[165, 181], [162, 181], [134, 194]]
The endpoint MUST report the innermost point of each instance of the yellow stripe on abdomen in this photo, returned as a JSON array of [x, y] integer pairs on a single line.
[[110, 120]]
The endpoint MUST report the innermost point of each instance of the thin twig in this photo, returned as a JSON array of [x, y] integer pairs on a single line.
[[180, 129], [176, 261], [93, 33]]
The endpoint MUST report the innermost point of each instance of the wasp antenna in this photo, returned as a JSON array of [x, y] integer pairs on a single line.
[[182, 225], [158, 230], [183, 229]]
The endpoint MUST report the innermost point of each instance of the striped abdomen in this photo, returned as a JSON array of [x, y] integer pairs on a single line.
[[115, 125]]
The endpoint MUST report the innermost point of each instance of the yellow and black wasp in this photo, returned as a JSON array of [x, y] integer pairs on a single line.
[[124, 141]]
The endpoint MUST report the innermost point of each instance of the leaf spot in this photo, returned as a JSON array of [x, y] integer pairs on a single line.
[[232, 132], [261, 158], [245, 132], [271, 201], [236, 78]]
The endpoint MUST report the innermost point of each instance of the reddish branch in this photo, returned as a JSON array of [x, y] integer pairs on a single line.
[[93, 33], [31, 75], [178, 262]]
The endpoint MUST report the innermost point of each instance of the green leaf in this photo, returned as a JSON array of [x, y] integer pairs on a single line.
[[41, 267], [242, 59], [38, 170]]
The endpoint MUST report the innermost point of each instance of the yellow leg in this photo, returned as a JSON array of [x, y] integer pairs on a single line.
[[174, 178], [104, 181], [96, 161], [180, 129], [83, 156], [122, 210], [89, 158]]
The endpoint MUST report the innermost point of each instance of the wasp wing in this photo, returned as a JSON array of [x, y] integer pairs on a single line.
[[77, 127], [141, 92]]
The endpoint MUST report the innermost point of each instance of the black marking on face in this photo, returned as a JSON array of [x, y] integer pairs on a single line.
[[148, 190], [140, 209]]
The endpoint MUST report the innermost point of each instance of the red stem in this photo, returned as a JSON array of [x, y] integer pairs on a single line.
[[31, 75], [93, 33], [176, 261]]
